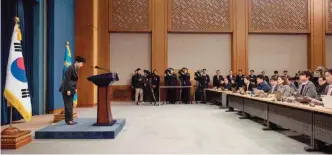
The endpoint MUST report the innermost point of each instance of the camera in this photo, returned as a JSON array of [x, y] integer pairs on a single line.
[[148, 74], [197, 75]]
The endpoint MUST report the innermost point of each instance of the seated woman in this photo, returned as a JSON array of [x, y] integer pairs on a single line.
[[283, 86]]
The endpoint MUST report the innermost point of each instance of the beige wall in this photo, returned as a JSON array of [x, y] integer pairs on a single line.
[[328, 51], [128, 52], [198, 51], [277, 52]]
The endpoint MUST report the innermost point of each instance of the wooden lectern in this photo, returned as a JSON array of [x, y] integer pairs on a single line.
[[104, 112]]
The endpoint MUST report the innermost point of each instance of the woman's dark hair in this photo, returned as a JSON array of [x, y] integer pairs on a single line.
[[79, 59], [247, 77], [323, 78], [284, 79]]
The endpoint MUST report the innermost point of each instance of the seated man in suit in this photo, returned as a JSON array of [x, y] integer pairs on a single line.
[[226, 85], [273, 84], [262, 85], [322, 86], [328, 90], [248, 86], [306, 87], [217, 79]]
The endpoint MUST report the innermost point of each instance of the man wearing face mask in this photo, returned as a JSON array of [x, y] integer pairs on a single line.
[[217, 80], [171, 79], [156, 84], [204, 83], [133, 85]]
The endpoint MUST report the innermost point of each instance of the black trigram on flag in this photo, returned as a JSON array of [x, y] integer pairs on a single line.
[[17, 47], [25, 93]]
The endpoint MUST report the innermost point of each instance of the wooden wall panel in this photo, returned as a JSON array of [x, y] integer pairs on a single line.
[[279, 16], [84, 31], [159, 36], [240, 36], [130, 15], [199, 16], [329, 16], [316, 39]]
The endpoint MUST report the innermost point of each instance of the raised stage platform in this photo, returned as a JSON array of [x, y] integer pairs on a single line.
[[84, 129]]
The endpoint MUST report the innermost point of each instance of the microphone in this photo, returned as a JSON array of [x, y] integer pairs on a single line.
[[97, 67]]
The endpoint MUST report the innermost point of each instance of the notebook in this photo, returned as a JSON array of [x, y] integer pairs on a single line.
[[327, 101]]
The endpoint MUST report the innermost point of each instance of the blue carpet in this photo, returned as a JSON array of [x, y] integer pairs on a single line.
[[84, 129]]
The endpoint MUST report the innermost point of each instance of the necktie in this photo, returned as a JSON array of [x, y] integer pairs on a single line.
[[302, 89]]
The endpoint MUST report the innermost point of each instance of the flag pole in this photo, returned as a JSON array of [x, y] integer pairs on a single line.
[[11, 117]]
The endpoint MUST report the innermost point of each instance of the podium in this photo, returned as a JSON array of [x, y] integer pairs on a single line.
[[104, 112]]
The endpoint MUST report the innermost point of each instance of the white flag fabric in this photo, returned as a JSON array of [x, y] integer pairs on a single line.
[[16, 89]]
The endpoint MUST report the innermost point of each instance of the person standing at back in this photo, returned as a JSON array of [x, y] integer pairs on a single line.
[[217, 79], [230, 76], [275, 74], [239, 79], [266, 78], [205, 80], [185, 79], [68, 88], [156, 84], [252, 77], [171, 81], [139, 85], [133, 85]]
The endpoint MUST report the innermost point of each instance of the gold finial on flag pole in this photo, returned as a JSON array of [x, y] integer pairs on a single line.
[[16, 20], [19, 34], [67, 43]]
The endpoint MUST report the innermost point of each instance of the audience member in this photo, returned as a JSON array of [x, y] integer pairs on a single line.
[[262, 85], [283, 86], [240, 79], [306, 88], [273, 84]]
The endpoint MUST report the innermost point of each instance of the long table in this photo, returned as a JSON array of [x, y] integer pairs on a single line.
[[315, 122]]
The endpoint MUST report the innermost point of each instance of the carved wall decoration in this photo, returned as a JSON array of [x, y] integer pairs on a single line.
[[199, 16], [329, 16], [130, 15], [283, 16]]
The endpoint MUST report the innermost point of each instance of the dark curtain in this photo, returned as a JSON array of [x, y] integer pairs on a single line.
[[10, 9]]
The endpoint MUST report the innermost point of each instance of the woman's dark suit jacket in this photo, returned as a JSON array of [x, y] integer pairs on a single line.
[[70, 81]]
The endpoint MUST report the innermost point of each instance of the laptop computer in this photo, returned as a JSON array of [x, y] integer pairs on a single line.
[[327, 101]]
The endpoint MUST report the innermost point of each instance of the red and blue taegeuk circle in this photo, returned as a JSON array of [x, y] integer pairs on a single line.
[[18, 70]]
